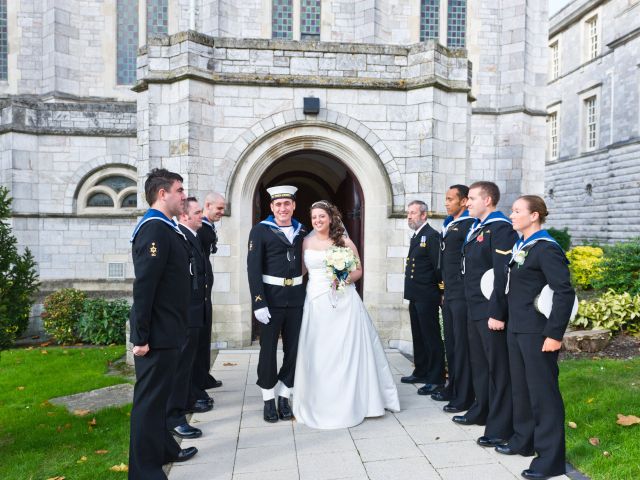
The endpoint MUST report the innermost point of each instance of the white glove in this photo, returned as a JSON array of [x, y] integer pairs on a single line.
[[262, 315]]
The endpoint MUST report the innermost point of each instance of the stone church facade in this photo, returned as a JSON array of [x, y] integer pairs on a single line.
[[368, 103], [593, 156]]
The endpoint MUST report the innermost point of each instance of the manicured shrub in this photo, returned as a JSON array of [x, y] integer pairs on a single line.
[[18, 279], [614, 311], [103, 321], [585, 265], [561, 236], [62, 312], [621, 268]]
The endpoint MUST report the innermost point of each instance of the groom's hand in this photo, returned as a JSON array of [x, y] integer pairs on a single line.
[[262, 315]]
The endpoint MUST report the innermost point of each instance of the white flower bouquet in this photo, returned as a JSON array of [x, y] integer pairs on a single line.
[[339, 262]]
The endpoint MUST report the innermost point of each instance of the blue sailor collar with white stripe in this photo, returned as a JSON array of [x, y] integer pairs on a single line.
[[522, 244], [450, 221], [493, 217], [271, 222], [153, 214], [206, 221]]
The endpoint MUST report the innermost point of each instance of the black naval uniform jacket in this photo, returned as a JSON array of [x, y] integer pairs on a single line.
[[209, 239], [161, 289], [200, 281], [450, 257], [544, 264], [489, 247], [271, 253], [421, 275]]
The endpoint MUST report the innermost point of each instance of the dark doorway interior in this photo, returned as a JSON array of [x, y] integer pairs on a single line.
[[318, 176]]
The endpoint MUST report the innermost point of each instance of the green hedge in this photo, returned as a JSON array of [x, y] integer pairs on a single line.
[[620, 268]]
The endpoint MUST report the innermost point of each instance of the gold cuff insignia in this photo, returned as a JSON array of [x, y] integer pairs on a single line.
[[503, 252]]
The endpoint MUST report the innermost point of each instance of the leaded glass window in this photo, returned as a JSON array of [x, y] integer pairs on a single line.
[[4, 41], [282, 19], [100, 200], [130, 201], [310, 19], [429, 19], [127, 41], [117, 183], [157, 17], [111, 190], [457, 23]]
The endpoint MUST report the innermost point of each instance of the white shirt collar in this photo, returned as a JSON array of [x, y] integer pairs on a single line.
[[195, 234]]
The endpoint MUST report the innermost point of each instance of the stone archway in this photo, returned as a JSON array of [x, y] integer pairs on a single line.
[[356, 155]]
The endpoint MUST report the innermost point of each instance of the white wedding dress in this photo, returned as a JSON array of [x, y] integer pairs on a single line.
[[342, 373]]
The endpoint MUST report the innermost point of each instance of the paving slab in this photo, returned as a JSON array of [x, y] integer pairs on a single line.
[[420, 441]]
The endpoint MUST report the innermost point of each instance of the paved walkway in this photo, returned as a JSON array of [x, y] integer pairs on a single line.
[[421, 441]]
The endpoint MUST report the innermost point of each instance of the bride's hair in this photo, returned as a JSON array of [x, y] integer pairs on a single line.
[[336, 227]]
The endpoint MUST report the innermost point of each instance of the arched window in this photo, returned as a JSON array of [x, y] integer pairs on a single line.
[[429, 19], [111, 190]]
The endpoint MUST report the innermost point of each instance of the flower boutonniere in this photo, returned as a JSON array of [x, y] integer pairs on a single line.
[[480, 238], [520, 257]]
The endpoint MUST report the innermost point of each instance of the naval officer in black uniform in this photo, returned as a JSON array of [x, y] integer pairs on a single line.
[[274, 266], [486, 251], [190, 220], [459, 388], [422, 289], [535, 340], [158, 324], [202, 380]]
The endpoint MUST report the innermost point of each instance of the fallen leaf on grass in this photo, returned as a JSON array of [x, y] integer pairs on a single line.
[[82, 459], [102, 452], [590, 400], [229, 364], [572, 425], [20, 388], [93, 422], [45, 344], [120, 468], [595, 441], [29, 348], [606, 454], [56, 478], [627, 420], [44, 352], [81, 413]]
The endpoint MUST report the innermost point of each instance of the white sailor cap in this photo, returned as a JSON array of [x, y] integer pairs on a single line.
[[282, 191]]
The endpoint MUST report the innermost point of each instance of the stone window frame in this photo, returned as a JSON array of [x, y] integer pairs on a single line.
[[590, 101], [555, 56], [592, 36], [90, 187], [553, 130]]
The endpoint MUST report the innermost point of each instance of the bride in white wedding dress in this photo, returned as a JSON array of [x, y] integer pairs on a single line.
[[342, 373]]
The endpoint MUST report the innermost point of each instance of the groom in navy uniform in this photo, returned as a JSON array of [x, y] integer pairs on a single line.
[[274, 267]]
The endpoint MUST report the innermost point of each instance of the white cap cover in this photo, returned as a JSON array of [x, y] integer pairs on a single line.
[[282, 191]]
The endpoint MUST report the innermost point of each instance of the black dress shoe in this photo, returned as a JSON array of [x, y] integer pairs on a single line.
[[270, 412], [200, 406], [186, 431], [210, 401], [413, 379], [528, 473], [507, 450], [452, 409], [441, 396], [185, 454], [464, 420], [485, 441], [428, 389], [284, 410], [216, 384]]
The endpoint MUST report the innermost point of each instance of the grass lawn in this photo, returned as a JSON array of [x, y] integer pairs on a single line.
[[42, 441], [594, 392]]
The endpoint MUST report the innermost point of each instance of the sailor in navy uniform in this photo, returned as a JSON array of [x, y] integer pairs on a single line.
[[274, 266], [202, 380], [535, 340], [179, 400], [459, 389], [158, 324], [422, 289], [486, 251]]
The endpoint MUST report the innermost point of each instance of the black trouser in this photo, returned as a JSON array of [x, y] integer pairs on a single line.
[[491, 381], [202, 379], [456, 341], [151, 445], [285, 320], [428, 349], [180, 398], [538, 410]]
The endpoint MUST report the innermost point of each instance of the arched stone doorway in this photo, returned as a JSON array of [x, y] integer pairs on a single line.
[[318, 176]]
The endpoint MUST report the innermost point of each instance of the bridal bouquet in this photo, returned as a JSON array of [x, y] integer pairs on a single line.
[[339, 262]]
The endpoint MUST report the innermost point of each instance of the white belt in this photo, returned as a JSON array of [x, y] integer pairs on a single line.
[[282, 282]]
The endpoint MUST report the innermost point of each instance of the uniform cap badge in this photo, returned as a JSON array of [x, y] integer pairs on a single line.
[[153, 250]]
